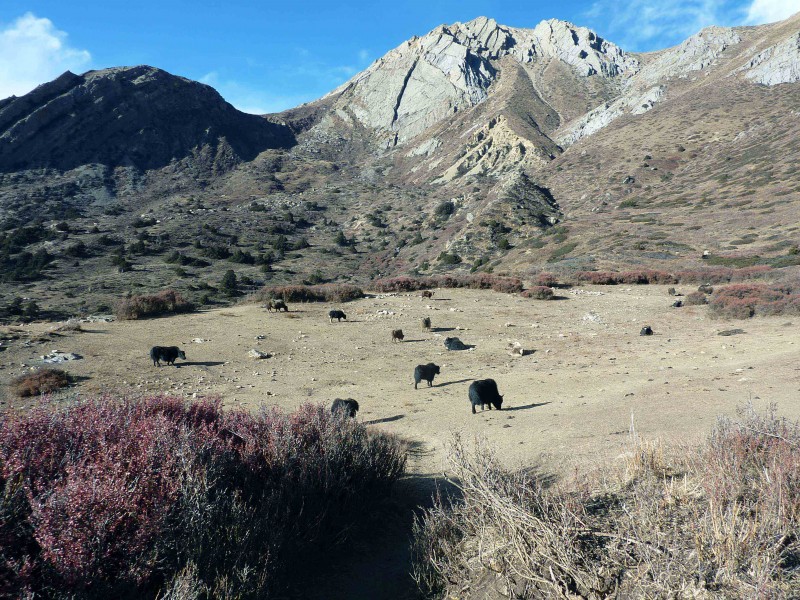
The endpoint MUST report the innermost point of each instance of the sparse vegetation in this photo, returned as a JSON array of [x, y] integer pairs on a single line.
[[137, 498], [480, 281], [326, 292], [716, 522], [142, 307]]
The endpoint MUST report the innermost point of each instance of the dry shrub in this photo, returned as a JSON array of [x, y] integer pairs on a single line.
[[695, 299], [479, 281], [121, 498], [546, 280], [742, 301], [538, 292], [166, 302], [71, 326], [40, 382], [401, 284], [326, 292], [650, 276], [720, 521]]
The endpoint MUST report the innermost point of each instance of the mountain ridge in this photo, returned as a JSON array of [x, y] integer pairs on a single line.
[[475, 146]]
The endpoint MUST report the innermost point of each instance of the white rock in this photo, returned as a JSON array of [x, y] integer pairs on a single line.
[[777, 64]]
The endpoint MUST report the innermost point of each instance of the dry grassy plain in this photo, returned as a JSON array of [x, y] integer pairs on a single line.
[[570, 402]]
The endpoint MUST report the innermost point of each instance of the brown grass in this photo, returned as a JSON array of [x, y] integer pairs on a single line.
[[720, 521], [40, 382]]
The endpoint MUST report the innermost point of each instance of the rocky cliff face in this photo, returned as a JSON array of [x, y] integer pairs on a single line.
[[426, 80], [777, 64], [139, 116]]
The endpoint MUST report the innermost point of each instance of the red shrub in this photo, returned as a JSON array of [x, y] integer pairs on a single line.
[[326, 292], [546, 280], [742, 301], [480, 281], [121, 495], [400, 284]]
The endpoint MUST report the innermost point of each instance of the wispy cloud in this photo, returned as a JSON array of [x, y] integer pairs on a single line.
[[769, 11], [33, 51], [642, 25]]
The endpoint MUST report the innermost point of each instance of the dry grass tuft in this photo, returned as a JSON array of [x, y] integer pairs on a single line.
[[40, 382], [720, 521]]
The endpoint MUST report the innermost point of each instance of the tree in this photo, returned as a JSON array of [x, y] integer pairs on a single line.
[[229, 285]]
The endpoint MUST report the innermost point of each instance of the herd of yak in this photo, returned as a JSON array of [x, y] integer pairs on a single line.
[[482, 392]]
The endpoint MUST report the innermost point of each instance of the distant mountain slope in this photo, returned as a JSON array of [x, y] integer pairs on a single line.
[[138, 116], [477, 146]]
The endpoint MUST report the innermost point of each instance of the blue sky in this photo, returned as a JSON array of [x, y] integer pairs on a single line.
[[268, 56]]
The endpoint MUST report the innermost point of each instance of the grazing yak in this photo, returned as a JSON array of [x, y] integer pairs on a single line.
[[346, 406], [166, 353], [426, 323], [277, 305], [484, 392], [427, 294], [425, 372], [453, 343], [336, 314], [397, 334]]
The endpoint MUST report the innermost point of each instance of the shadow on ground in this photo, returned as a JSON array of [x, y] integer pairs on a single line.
[[526, 407], [375, 562]]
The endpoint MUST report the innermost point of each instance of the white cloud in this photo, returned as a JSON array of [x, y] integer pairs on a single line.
[[769, 11], [33, 51]]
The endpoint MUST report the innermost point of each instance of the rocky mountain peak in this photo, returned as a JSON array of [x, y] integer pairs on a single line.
[[136, 116], [427, 79]]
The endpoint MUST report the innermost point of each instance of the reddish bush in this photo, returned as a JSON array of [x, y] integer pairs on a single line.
[[480, 281], [538, 292], [646, 276], [546, 280], [326, 292], [400, 284], [742, 301], [40, 382], [121, 495], [163, 303]]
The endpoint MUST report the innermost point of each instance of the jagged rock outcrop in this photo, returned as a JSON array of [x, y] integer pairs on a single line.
[[777, 64], [426, 80], [602, 116], [132, 116], [495, 148], [697, 53]]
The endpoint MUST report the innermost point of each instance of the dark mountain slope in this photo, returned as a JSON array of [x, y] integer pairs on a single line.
[[138, 116]]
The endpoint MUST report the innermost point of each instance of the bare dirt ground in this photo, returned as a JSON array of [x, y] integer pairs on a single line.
[[569, 403]]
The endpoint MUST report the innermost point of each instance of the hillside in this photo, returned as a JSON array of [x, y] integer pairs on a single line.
[[475, 146]]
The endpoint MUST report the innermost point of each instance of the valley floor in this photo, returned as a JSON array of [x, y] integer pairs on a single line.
[[570, 402]]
